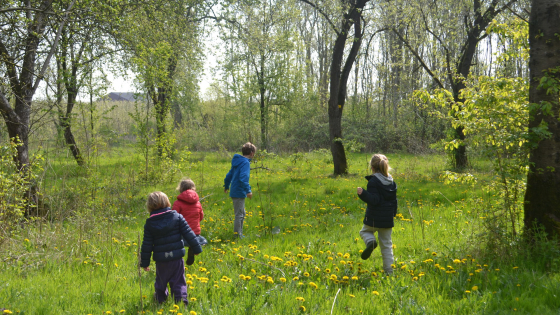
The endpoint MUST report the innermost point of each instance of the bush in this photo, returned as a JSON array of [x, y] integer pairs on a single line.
[[14, 186]]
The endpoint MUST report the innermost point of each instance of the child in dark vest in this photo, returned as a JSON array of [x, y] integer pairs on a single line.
[[164, 233], [381, 199], [188, 205]]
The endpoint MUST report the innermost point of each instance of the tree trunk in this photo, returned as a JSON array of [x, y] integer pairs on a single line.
[[161, 107], [177, 115], [543, 180], [339, 80], [65, 123], [262, 104], [17, 123]]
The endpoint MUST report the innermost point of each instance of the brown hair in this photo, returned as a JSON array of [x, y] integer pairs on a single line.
[[380, 163], [185, 184], [157, 200], [248, 148]]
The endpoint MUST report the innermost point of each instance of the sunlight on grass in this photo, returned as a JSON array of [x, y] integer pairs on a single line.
[[301, 248]]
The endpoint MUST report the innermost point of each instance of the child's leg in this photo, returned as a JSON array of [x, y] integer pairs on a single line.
[[177, 281], [239, 208], [367, 234], [386, 244], [160, 286]]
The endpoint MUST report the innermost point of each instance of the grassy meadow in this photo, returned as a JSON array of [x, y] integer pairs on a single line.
[[301, 253]]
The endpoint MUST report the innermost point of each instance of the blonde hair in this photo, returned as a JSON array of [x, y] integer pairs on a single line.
[[185, 184], [380, 163], [157, 200], [248, 148]]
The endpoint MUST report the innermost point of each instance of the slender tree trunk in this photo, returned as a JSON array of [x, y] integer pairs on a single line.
[[65, 123], [177, 115], [339, 80], [262, 104], [542, 198]]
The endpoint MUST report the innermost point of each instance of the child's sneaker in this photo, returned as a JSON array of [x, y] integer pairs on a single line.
[[190, 257], [370, 247]]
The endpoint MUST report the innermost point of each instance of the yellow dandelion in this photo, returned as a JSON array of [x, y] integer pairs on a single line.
[[306, 274], [467, 291], [7, 312], [354, 278], [193, 299], [302, 308], [192, 313], [375, 293], [352, 295], [122, 311], [283, 279], [301, 299]]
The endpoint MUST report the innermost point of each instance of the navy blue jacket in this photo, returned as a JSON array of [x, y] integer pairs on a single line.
[[381, 203], [238, 177], [164, 233]]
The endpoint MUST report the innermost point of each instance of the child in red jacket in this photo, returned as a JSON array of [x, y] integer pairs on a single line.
[[188, 205]]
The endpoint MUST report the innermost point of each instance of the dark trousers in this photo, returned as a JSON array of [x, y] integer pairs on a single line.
[[172, 272]]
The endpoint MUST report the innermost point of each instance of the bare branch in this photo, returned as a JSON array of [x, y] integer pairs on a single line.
[[515, 13], [323, 14], [27, 9], [415, 53], [53, 47]]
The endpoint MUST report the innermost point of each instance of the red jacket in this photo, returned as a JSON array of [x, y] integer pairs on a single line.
[[189, 207]]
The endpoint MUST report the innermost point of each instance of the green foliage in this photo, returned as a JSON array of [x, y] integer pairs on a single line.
[[495, 118], [15, 185], [301, 241]]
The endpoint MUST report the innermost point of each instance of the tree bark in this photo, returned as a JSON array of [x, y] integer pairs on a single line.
[[543, 180], [161, 97], [339, 80], [65, 123], [70, 80], [262, 103]]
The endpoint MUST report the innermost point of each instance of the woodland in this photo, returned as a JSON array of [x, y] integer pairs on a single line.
[[318, 85]]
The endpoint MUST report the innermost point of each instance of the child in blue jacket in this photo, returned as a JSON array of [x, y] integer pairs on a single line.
[[237, 182], [164, 233]]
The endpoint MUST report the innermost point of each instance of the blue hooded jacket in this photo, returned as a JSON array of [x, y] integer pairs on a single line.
[[238, 177]]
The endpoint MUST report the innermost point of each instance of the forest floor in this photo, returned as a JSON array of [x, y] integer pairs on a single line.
[[301, 253]]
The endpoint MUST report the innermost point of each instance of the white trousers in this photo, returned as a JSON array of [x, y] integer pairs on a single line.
[[385, 243]]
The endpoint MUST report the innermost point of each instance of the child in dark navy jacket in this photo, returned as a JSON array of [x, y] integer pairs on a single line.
[[164, 233], [381, 199]]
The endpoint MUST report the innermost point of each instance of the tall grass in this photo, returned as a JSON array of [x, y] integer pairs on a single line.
[[301, 253]]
